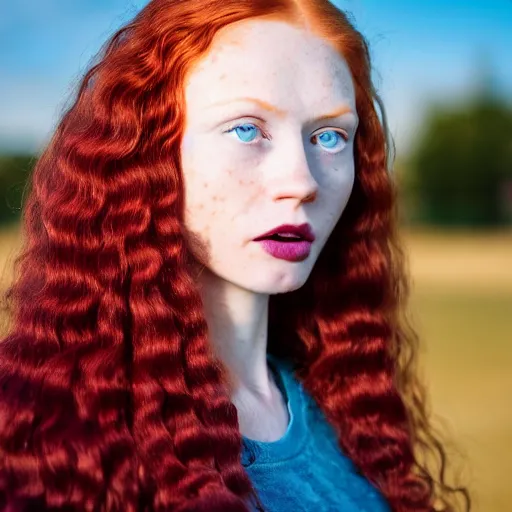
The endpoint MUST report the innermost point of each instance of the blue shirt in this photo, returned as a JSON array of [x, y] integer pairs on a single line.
[[305, 470]]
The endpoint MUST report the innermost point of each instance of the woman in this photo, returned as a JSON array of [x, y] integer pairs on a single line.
[[206, 313]]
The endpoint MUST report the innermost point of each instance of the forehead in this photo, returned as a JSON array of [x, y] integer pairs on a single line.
[[271, 60]]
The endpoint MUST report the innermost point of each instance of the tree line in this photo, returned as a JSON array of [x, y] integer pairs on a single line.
[[458, 174]]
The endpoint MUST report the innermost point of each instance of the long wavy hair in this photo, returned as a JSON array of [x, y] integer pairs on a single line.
[[111, 398]]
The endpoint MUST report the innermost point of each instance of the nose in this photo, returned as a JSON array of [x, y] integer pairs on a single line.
[[294, 179]]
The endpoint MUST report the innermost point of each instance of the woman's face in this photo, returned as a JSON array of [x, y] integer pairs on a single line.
[[258, 151]]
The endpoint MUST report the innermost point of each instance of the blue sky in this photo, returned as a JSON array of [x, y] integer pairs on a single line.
[[422, 51]]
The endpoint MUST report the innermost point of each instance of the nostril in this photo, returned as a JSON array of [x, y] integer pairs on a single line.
[[310, 197]]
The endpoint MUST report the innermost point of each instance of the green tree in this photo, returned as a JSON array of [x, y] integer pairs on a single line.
[[14, 172], [460, 171]]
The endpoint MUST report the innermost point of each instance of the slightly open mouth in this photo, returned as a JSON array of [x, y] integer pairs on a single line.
[[284, 238]]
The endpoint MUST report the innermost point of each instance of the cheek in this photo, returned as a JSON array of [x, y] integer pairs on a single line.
[[221, 185], [337, 175], [344, 192], [209, 193], [338, 188]]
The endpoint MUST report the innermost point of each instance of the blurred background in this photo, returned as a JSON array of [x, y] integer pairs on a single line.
[[444, 71]]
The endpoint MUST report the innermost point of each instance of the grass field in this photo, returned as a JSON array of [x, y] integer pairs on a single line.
[[461, 305]]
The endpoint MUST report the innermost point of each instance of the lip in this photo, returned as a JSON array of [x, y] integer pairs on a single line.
[[302, 230], [289, 251], [296, 250]]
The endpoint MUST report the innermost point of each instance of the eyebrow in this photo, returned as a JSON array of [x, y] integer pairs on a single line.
[[337, 112]]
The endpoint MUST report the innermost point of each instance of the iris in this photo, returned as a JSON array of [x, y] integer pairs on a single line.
[[329, 139], [245, 131]]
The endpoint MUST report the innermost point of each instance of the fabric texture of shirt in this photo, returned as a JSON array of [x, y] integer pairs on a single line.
[[305, 470]]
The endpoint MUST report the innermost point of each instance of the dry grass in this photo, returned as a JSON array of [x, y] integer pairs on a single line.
[[462, 261], [10, 242], [461, 305]]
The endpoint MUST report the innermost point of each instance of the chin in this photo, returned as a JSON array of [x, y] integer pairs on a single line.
[[283, 283], [287, 288]]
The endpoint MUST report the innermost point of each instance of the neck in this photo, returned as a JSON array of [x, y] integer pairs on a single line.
[[237, 327]]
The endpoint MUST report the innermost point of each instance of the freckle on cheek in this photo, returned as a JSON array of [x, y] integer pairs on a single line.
[[205, 185]]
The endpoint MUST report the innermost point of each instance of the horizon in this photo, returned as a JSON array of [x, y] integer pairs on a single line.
[[422, 54]]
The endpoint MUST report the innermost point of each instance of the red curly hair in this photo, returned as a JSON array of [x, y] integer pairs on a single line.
[[111, 398]]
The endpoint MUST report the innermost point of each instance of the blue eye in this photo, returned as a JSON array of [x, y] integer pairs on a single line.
[[330, 138], [245, 132]]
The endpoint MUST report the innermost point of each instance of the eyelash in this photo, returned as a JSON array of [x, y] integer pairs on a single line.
[[267, 136]]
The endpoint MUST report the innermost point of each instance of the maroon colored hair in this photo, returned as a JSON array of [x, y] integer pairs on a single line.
[[111, 398]]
